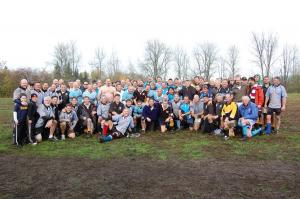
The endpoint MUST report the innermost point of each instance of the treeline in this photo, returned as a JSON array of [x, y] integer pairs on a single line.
[[10, 78], [160, 59]]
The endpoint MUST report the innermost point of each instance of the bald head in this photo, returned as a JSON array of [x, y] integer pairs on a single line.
[[24, 83]]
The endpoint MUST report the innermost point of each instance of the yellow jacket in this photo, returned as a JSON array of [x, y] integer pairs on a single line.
[[229, 110]]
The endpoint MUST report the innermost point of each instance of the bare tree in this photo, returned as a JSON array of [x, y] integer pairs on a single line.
[[75, 58], [61, 59], [232, 60], [98, 62], [182, 61], [264, 49], [221, 66], [289, 61], [205, 55], [156, 59], [3, 64], [113, 65]]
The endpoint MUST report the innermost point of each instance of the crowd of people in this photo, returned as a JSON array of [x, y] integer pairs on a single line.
[[128, 108]]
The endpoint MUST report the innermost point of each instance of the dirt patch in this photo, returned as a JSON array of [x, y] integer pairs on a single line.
[[37, 177]]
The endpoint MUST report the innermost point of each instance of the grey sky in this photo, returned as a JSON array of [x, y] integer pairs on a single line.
[[29, 30]]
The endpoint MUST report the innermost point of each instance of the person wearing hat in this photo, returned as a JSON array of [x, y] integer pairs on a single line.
[[33, 116]]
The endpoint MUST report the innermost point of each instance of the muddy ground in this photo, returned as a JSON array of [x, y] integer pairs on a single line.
[[38, 177]]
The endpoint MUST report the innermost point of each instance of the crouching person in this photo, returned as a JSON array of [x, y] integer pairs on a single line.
[[87, 115], [20, 120], [248, 116], [46, 121], [124, 123], [68, 120], [166, 117], [229, 113]]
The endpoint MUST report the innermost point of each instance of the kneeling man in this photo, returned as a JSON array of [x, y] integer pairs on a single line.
[[124, 123], [248, 116]]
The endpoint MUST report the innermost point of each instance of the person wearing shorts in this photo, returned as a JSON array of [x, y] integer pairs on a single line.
[[275, 103]]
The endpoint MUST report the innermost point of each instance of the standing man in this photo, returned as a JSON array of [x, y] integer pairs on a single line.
[[276, 98], [23, 88]]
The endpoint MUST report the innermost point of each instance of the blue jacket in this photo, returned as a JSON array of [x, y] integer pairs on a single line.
[[249, 112], [152, 114]]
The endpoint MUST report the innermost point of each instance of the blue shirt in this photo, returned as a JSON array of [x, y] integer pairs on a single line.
[[126, 95], [92, 95], [275, 95], [184, 107], [76, 93]]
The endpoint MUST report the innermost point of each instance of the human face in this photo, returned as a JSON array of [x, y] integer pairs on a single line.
[[54, 100], [34, 99], [45, 86], [196, 98], [159, 92], [245, 101], [24, 83], [74, 101], [151, 102], [228, 98], [186, 99], [125, 112], [23, 99], [53, 87], [63, 88], [86, 100], [128, 103], [206, 99], [266, 80], [37, 86], [47, 101], [117, 98], [276, 81], [108, 82], [176, 98], [68, 109], [224, 83]]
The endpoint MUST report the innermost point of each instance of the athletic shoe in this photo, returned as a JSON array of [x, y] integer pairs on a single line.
[[34, 143], [226, 137], [55, 138], [52, 139], [63, 137], [101, 139]]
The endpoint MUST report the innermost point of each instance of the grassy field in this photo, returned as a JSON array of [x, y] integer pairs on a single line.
[[182, 145], [155, 165]]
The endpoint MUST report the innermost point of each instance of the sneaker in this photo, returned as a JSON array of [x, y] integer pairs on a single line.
[[52, 139], [55, 138], [244, 139], [34, 143], [226, 137], [101, 139], [63, 137], [217, 132]]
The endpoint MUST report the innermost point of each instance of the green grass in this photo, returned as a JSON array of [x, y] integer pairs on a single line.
[[183, 145]]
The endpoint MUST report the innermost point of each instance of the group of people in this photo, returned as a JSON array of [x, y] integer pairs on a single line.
[[127, 108]]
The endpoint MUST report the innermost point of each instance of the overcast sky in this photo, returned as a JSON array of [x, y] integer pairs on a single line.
[[29, 29]]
